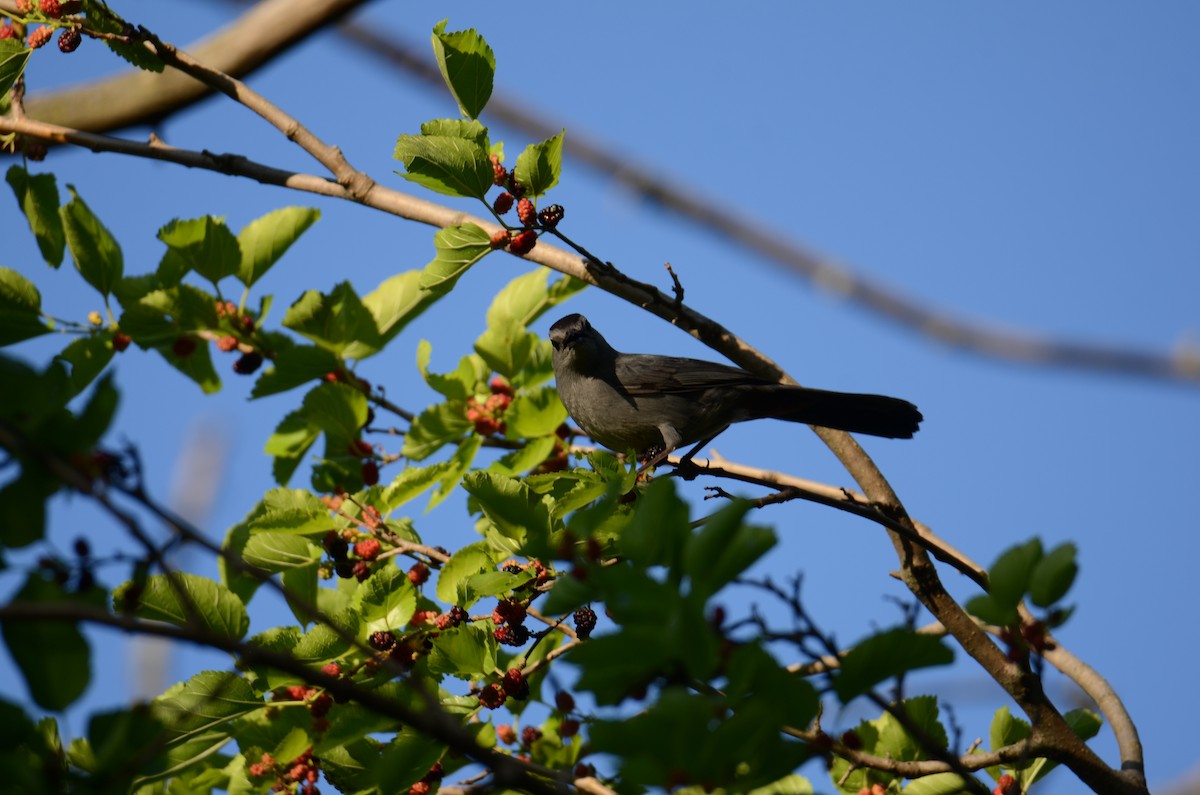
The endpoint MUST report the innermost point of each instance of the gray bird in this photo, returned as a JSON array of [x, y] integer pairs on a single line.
[[656, 404]]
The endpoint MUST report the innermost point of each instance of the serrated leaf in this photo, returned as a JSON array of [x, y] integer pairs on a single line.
[[535, 412], [339, 410], [386, 600], [293, 511], [37, 196], [1053, 576], [467, 65], [466, 562], [265, 239], [446, 164], [405, 760], [337, 321], [467, 129], [887, 654], [53, 656], [278, 551], [527, 457], [506, 349], [95, 252], [204, 245], [409, 484], [434, 428], [289, 442], [465, 652], [516, 512], [539, 166], [458, 384], [936, 784], [203, 703], [20, 305], [456, 467], [724, 548], [458, 248], [185, 600], [14, 55]]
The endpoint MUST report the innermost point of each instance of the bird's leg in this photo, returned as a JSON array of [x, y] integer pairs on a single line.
[[687, 459]]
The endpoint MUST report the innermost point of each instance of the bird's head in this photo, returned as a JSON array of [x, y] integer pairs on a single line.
[[576, 343]]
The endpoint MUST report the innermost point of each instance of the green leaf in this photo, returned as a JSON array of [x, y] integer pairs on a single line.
[[465, 652], [887, 654], [293, 367], [456, 385], [397, 301], [13, 57], [446, 164], [88, 356], [724, 548], [338, 322], [294, 511], [1053, 575], [465, 563], [988, 609], [204, 245], [458, 248], [456, 467], [187, 600], [539, 166], [517, 513], [434, 428], [409, 484], [507, 349], [278, 551], [534, 413], [1006, 729], [301, 586], [53, 656], [20, 308], [527, 457], [322, 643], [1008, 579], [292, 438], [936, 784], [264, 240], [203, 705], [37, 196], [467, 65], [386, 600], [405, 760], [95, 252]]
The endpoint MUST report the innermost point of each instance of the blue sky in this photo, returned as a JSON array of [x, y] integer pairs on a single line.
[[1029, 166]]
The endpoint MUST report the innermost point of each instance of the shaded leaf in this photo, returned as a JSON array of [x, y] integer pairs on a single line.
[[265, 239], [540, 165], [887, 654], [185, 599], [95, 252], [467, 65], [37, 196]]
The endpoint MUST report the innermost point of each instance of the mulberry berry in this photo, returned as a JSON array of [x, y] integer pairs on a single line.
[[524, 242], [585, 622], [52, 8], [370, 473], [418, 574], [499, 172], [492, 696], [564, 701], [367, 549], [39, 36], [68, 40], [226, 344], [526, 212], [6, 30], [248, 363], [120, 342], [382, 640], [499, 240], [503, 203], [550, 216]]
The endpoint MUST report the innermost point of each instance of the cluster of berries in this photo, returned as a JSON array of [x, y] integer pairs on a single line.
[[509, 617], [38, 36], [523, 241], [242, 325], [488, 416], [299, 775], [337, 546]]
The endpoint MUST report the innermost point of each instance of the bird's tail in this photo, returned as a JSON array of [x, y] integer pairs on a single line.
[[877, 415]]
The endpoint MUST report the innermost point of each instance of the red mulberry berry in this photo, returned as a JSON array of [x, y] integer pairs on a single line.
[[492, 696], [512, 680], [500, 239], [52, 8], [319, 708], [585, 622], [550, 216], [503, 203], [500, 387], [361, 570], [511, 636], [530, 735], [370, 473], [227, 343], [367, 549], [331, 669], [418, 574], [509, 611], [457, 615], [6, 30], [526, 212], [514, 187], [248, 363], [39, 36], [524, 242], [499, 172], [360, 449], [506, 734], [419, 788], [24, 7], [120, 342], [564, 701], [568, 728]]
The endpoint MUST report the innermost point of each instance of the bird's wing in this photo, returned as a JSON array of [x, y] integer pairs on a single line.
[[647, 374]]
